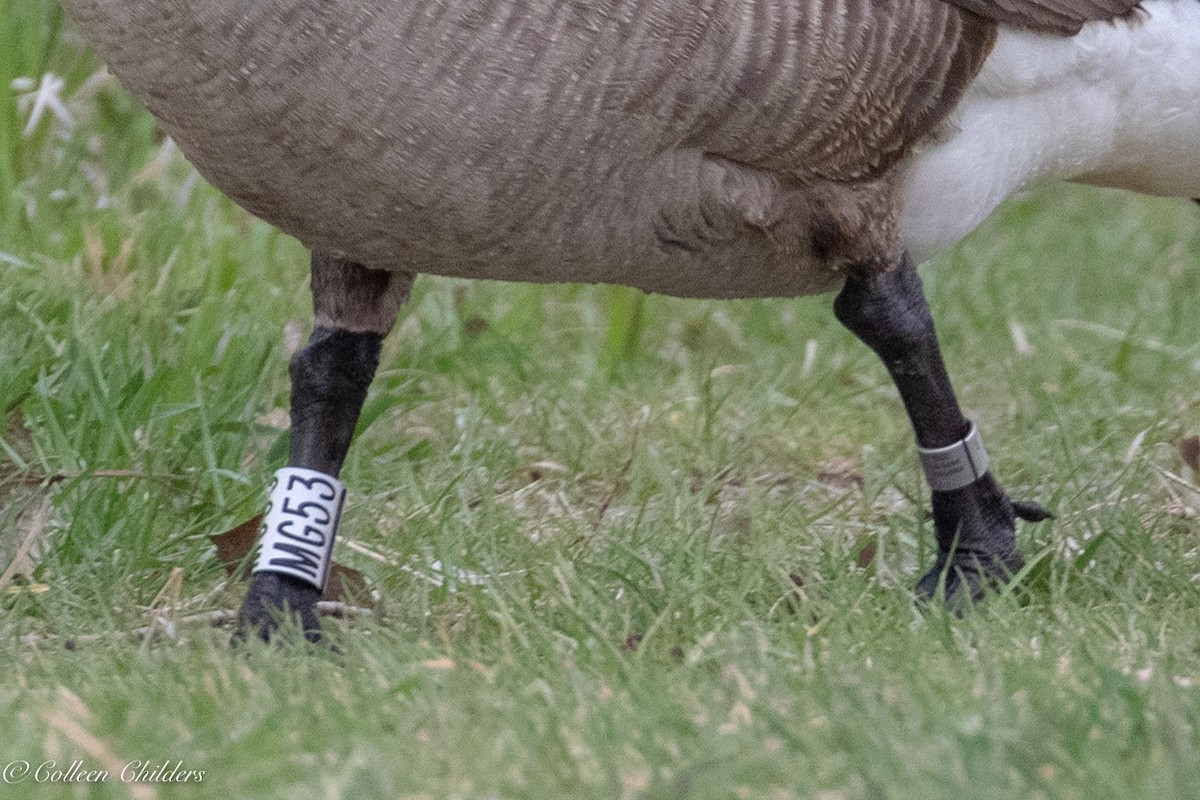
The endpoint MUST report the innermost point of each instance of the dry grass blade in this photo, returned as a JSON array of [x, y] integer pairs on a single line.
[[23, 562], [71, 718]]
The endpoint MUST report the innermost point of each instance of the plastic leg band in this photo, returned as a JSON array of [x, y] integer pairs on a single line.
[[301, 524]]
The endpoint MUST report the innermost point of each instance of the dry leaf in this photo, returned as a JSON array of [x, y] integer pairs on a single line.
[[866, 554], [235, 544], [345, 585], [1189, 451], [474, 327]]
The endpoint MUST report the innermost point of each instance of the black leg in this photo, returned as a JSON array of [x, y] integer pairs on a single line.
[[355, 307], [974, 520]]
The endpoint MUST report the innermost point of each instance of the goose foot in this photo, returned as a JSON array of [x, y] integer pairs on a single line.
[[274, 600], [975, 527]]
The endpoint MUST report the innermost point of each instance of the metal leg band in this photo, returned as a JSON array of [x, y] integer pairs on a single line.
[[957, 465]]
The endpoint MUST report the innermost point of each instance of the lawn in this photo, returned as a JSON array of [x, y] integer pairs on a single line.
[[617, 546]]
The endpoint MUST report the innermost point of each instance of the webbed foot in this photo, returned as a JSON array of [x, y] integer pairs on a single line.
[[273, 598], [975, 527]]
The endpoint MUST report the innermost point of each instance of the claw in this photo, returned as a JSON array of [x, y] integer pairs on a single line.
[[1030, 511]]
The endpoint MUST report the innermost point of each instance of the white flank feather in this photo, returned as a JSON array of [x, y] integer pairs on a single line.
[[1118, 105]]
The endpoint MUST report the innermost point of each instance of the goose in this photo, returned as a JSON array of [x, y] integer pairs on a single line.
[[714, 148]]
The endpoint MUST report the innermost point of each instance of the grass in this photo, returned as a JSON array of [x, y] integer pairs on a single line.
[[621, 545]]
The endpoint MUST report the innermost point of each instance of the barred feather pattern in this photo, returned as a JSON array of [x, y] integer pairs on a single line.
[[1061, 17], [707, 148]]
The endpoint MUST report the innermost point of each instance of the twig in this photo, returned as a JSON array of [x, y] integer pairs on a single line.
[[214, 619], [336, 609], [618, 483], [59, 477]]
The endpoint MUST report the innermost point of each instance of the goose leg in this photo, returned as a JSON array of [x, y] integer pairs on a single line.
[[355, 308], [974, 520]]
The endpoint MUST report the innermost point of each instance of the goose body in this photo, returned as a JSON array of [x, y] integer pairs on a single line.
[[710, 148]]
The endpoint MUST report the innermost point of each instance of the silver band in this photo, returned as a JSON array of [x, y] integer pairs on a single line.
[[957, 465]]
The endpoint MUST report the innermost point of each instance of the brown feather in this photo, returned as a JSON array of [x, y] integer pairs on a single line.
[[1061, 17], [708, 147]]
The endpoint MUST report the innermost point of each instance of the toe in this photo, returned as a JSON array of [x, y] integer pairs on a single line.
[[1030, 511]]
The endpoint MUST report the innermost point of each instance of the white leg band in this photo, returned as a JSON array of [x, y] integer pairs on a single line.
[[957, 465], [300, 524]]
